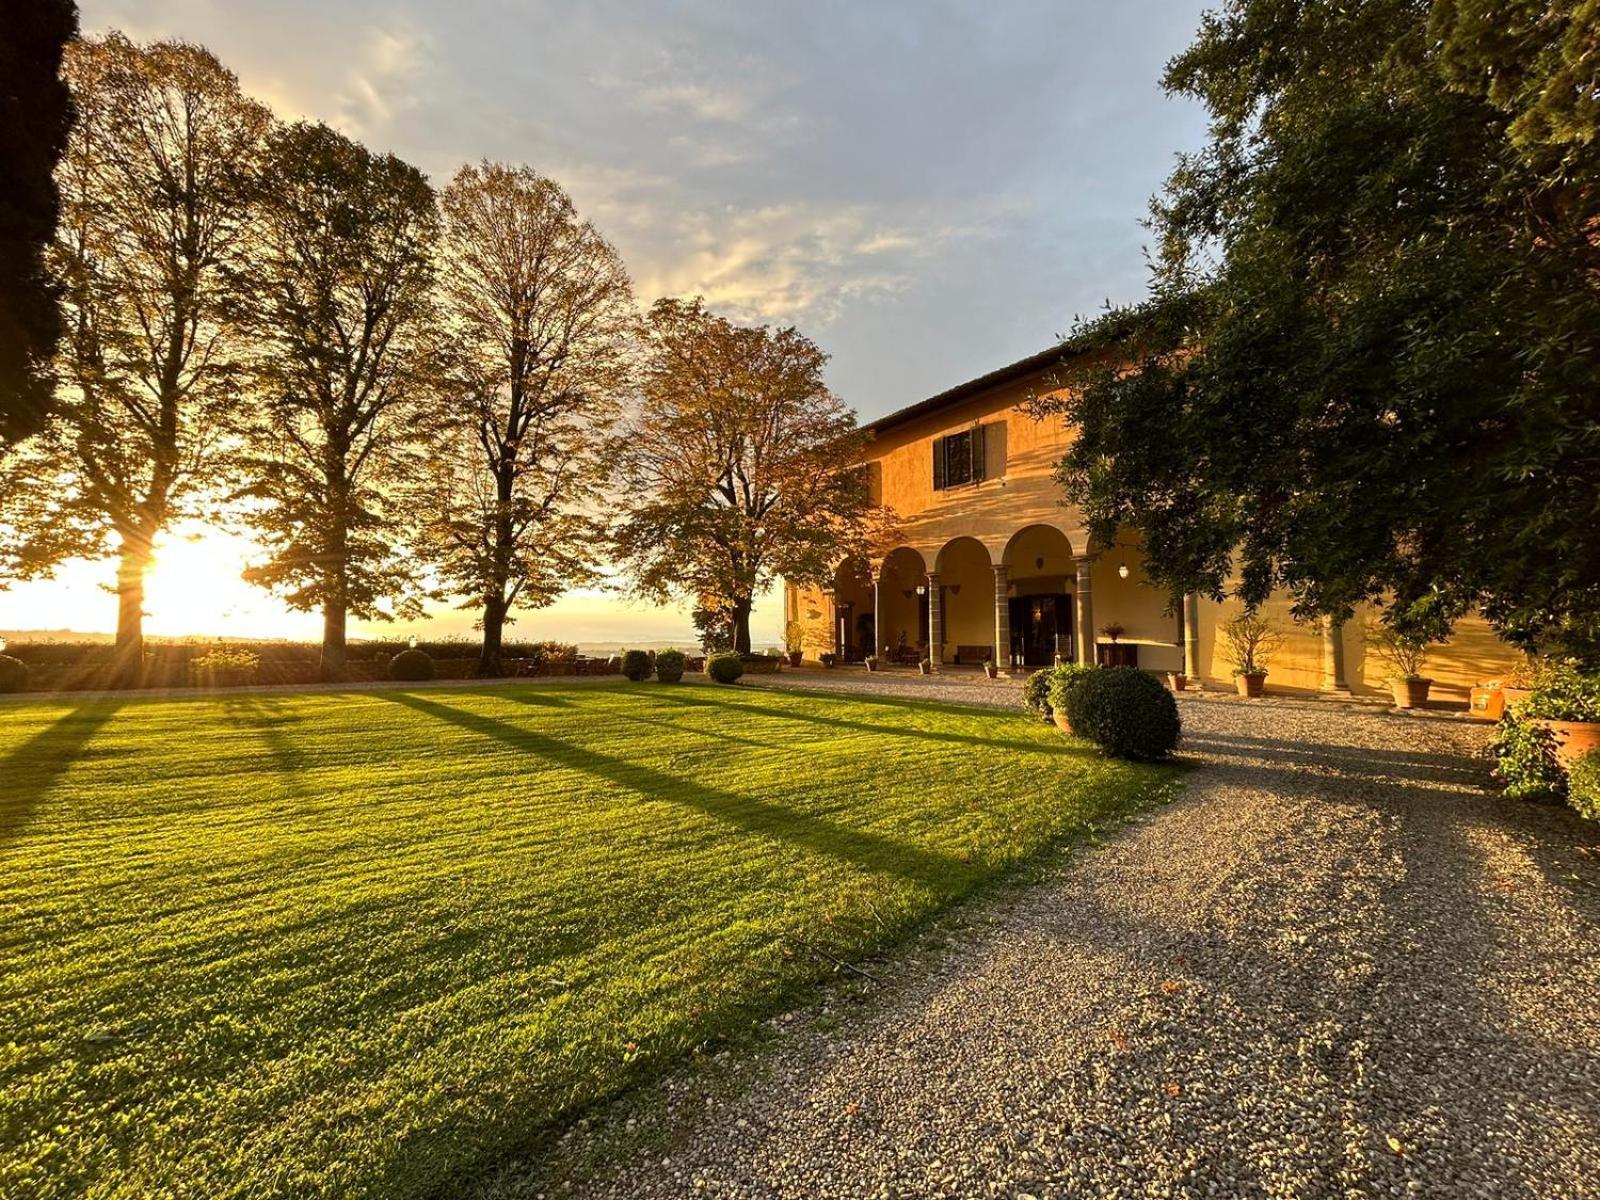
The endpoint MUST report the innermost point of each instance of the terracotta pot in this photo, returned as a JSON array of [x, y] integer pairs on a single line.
[[872, 666], [1060, 718], [1487, 704], [796, 657], [1574, 739], [992, 671], [1410, 693], [924, 668], [1178, 681], [1251, 686], [1512, 696]]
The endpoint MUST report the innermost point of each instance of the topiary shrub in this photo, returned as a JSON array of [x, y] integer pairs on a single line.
[[13, 674], [724, 668], [1124, 711], [1583, 786], [669, 666], [636, 665], [1036, 693], [413, 666], [1062, 681]]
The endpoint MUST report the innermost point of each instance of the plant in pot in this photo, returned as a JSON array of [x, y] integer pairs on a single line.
[[830, 659], [989, 669], [872, 662], [925, 667], [1565, 700], [1113, 630], [1250, 640], [1406, 654], [794, 643], [1063, 680]]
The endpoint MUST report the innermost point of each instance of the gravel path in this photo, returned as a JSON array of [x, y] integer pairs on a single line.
[[1337, 967]]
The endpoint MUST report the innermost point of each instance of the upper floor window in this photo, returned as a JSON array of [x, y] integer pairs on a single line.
[[958, 458]]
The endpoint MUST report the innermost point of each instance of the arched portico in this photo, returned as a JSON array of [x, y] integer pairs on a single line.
[[964, 626], [902, 622], [854, 616], [1039, 575]]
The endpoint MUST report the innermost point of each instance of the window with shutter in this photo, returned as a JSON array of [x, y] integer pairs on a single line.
[[938, 465], [959, 458]]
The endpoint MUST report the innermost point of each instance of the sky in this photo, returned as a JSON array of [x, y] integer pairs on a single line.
[[928, 189]]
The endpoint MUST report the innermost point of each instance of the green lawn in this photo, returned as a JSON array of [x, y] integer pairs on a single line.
[[369, 944]]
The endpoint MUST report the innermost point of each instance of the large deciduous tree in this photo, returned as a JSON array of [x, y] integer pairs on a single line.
[[739, 465], [339, 281], [35, 117], [156, 188], [539, 313], [1370, 368]]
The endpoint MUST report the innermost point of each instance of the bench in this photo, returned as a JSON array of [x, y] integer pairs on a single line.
[[974, 654]]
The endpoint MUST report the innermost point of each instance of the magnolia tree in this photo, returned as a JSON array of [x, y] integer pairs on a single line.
[[156, 189], [738, 466], [539, 316], [341, 280]]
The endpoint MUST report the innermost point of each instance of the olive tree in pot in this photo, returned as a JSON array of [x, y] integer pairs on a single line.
[[1251, 640], [1405, 654], [794, 643]]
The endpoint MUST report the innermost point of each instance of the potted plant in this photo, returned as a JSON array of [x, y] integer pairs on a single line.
[[872, 662], [1406, 654], [793, 643], [989, 669], [1062, 680], [1565, 701], [830, 659], [925, 667], [1251, 640], [1178, 681], [1112, 630]]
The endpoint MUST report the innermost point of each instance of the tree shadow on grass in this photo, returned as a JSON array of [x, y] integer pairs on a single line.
[[909, 729], [867, 850], [32, 769]]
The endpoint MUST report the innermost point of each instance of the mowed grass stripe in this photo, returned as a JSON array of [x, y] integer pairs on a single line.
[[374, 943]]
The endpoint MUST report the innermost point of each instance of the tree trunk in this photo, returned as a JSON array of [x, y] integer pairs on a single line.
[[127, 659], [490, 663], [741, 625], [331, 668]]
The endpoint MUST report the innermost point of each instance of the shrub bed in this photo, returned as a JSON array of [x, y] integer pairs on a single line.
[[1036, 693], [1124, 711], [1583, 786]]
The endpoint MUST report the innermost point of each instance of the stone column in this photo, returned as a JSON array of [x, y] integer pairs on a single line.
[[935, 622], [1191, 637], [1085, 608], [876, 649], [1333, 656], [1002, 617]]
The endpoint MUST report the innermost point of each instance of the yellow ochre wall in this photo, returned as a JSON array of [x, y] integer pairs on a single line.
[[962, 532]]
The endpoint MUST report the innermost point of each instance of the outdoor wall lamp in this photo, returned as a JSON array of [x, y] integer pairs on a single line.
[[1122, 570], [922, 589]]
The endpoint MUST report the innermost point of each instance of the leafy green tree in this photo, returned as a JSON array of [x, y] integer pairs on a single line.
[[1370, 365], [156, 189], [340, 280], [738, 466], [35, 117], [539, 314]]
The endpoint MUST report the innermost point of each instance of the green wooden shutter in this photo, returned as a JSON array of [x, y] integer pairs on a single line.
[[979, 453], [938, 464]]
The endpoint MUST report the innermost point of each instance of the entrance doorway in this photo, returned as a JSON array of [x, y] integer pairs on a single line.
[[1041, 628]]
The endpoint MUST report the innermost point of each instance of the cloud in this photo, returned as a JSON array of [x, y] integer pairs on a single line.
[[382, 81]]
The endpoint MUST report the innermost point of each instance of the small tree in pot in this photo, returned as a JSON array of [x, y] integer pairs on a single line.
[[794, 643], [1405, 654], [1251, 640]]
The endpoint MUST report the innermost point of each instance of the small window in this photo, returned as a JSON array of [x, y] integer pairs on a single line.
[[958, 458]]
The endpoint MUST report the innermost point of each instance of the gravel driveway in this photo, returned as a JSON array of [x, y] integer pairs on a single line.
[[1338, 966]]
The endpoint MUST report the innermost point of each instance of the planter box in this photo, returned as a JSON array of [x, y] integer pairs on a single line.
[[1574, 739]]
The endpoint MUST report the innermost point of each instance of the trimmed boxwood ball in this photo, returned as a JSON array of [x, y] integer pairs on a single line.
[[1583, 786], [13, 674], [413, 666], [1060, 684], [636, 665], [669, 666], [1036, 693], [725, 668], [1124, 711]]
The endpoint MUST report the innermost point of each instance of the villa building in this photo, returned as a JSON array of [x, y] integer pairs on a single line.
[[992, 563]]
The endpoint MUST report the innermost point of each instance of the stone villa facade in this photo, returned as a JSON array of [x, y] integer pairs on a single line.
[[992, 563]]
